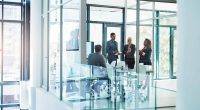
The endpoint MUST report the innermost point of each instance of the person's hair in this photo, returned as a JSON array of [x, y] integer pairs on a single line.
[[129, 38], [148, 43], [111, 34], [97, 48]]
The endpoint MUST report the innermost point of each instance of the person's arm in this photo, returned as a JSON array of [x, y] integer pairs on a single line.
[[125, 49], [103, 61], [148, 53], [133, 49], [117, 47]]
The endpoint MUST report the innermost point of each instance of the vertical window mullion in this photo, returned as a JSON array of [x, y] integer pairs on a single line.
[[61, 32]]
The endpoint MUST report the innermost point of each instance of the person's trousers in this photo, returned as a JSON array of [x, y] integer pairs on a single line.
[[130, 62]]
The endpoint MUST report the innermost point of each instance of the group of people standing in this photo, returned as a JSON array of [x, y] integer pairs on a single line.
[[112, 51]]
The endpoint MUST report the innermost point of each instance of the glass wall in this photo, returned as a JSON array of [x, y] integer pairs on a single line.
[[103, 20], [70, 53], [61, 22], [62, 73], [12, 37], [54, 51]]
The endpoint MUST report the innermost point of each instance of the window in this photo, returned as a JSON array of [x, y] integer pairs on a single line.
[[11, 51], [12, 12], [11, 45]]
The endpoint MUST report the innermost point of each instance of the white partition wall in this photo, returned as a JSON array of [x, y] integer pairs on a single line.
[[188, 95], [35, 51]]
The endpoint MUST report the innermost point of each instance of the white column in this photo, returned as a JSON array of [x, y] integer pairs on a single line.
[[83, 34], [188, 89], [35, 51]]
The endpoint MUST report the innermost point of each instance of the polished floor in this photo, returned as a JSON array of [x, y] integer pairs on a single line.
[[161, 98]]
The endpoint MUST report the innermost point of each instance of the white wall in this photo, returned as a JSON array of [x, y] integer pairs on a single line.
[[35, 50], [188, 88], [47, 101]]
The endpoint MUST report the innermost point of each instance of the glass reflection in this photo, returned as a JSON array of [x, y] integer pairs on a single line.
[[93, 87]]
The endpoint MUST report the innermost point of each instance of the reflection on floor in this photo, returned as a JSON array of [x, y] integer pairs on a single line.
[[170, 108], [169, 84], [163, 96]]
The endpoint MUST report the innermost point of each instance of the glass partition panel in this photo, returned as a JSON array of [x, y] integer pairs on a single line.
[[146, 17], [146, 5], [71, 55], [164, 52], [145, 32], [106, 14], [11, 94], [54, 52], [131, 16], [165, 6], [74, 82], [12, 12], [54, 4], [131, 32], [96, 31], [45, 7], [71, 15], [12, 51], [146, 96], [71, 4], [170, 19]]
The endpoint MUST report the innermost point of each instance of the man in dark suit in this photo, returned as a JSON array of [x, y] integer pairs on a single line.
[[112, 49], [97, 59]]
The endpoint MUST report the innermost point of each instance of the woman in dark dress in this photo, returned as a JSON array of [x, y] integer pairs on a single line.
[[145, 53], [129, 51]]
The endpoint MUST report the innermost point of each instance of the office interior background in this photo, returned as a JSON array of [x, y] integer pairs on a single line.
[[44, 46]]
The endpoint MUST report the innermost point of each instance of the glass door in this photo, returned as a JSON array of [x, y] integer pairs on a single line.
[[166, 52], [117, 29]]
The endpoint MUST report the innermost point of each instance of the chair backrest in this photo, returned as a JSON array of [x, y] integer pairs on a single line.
[[113, 64], [142, 69]]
